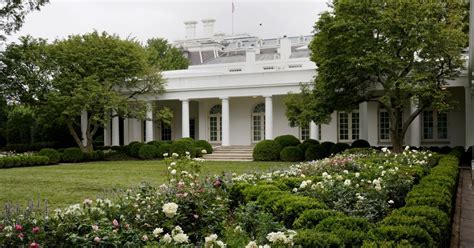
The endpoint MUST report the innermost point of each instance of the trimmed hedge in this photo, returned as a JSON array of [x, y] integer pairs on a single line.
[[134, 147], [287, 140], [311, 218], [155, 143], [360, 143], [181, 146], [72, 155], [327, 145], [266, 150], [23, 161], [53, 155], [205, 145], [307, 143], [339, 147], [164, 148], [291, 154], [148, 152], [315, 152]]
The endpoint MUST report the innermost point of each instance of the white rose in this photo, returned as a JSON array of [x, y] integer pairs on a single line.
[[173, 172], [203, 151], [347, 182], [170, 209], [252, 244], [165, 154], [157, 232], [181, 238], [167, 238]]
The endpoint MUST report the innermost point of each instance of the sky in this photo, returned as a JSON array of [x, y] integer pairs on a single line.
[[143, 19]]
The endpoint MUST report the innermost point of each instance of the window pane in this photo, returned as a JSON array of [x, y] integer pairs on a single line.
[[355, 126], [213, 128], [304, 133], [384, 125], [165, 131], [343, 126], [442, 126], [257, 134], [428, 125]]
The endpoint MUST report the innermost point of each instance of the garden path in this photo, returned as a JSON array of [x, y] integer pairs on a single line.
[[463, 222]]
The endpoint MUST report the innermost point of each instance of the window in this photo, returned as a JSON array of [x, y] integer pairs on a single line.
[[435, 125], [304, 132], [165, 131], [348, 128], [258, 123], [215, 123], [192, 128], [319, 132], [384, 125]]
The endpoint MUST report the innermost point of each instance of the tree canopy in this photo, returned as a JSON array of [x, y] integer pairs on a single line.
[[165, 56], [395, 53], [13, 12]]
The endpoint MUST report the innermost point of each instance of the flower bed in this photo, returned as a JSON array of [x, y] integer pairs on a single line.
[[351, 199]]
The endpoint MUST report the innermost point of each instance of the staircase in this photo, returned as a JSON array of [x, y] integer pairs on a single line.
[[230, 153]]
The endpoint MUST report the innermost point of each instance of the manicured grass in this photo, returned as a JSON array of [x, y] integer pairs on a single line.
[[67, 184]]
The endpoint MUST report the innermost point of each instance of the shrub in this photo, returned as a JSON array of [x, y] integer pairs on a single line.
[[418, 221], [445, 150], [266, 150], [310, 238], [72, 155], [134, 148], [438, 217], [343, 222], [416, 236], [314, 152], [339, 147], [198, 152], [311, 218], [155, 143], [91, 156], [147, 152], [181, 146], [291, 154], [204, 144], [53, 155], [287, 140], [303, 146], [253, 192], [360, 143], [327, 145], [164, 148], [289, 207]]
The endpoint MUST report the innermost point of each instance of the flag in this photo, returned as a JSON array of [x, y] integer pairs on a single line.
[[233, 7]]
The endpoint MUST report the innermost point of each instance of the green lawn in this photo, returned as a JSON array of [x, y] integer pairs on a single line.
[[67, 184]]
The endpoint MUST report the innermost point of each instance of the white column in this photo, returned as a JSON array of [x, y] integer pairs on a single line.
[[84, 121], [313, 131], [126, 137], [137, 130], [225, 122], [185, 118], [363, 121], [149, 123], [468, 110], [415, 128], [268, 117], [115, 129]]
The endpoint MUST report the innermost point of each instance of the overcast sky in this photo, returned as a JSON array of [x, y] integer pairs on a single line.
[[145, 19]]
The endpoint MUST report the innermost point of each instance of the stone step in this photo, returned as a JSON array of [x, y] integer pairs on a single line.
[[231, 152], [228, 159], [227, 156]]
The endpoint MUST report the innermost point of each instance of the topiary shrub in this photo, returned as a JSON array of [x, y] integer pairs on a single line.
[[291, 154], [327, 145], [339, 147], [198, 152], [155, 143], [303, 146], [91, 156], [314, 152], [445, 150], [311, 218], [72, 155], [163, 149], [205, 145], [134, 148], [310, 238], [287, 140], [360, 143], [181, 146], [266, 150], [147, 152], [53, 155]]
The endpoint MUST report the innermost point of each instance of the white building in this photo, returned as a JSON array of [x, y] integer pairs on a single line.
[[233, 94]]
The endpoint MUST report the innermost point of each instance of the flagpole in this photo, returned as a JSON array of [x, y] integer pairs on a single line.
[[232, 17]]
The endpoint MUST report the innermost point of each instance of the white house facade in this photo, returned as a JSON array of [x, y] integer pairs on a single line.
[[233, 93]]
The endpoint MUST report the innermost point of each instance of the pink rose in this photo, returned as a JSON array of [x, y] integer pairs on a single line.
[[115, 223], [18, 227], [97, 239], [34, 245], [35, 230], [21, 235]]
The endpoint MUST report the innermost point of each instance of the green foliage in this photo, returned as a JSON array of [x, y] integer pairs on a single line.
[[20, 125], [23, 161], [255, 222], [287, 140], [135, 148], [303, 146], [309, 238], [253, 192], [155, 143], [311, 218], [266, 150], [181, 146], [343, 222], [204, 144], [164, 56], [408, 49], [147, 152], [14, 13], [53, 155], [360, 143], [291, 154], [163, 149], [327, 145], [339, 147], [414, 235], [72, 155], [315, 152], [418, 221], [289, 207]]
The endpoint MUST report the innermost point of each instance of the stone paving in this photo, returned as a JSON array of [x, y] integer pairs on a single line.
[[463, 221]]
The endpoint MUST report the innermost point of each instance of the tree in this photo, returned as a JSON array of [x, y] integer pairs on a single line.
[[13, 12], [395, 53], [164, 56]]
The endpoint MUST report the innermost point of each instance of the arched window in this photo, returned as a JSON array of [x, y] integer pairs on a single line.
[[215, 123], [258, 122]]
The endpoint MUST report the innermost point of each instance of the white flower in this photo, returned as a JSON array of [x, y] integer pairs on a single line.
[[407, 148], [181, 238], [346, 172], [157, 232], [167, 238], [347, 182], [173, 172], [357, 174], [95, 228], [383, 173], [252, 244], [145, 237], [203, 151], [175, 155], [276, 237], [220, 244], [170, 209], [385, 150], [391, 202], [304, 184], [187, 153], [211, 238], [339, 177], [87, 201], [165, 154], [172, 163], [295, 190]]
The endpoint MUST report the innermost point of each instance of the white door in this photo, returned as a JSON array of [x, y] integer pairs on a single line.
[[215, 124], [258, 123]]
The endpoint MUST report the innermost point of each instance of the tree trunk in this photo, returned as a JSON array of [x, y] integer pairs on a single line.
[[397, 141]]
